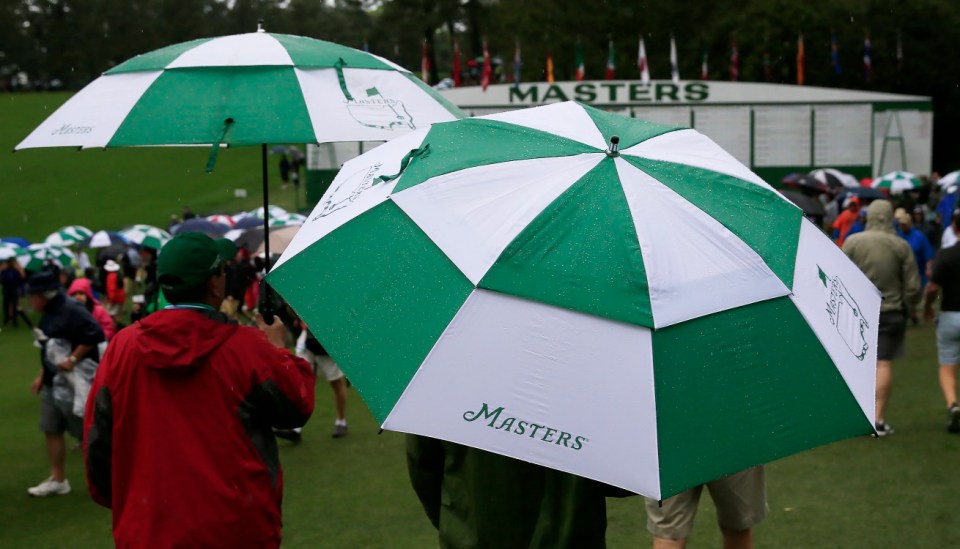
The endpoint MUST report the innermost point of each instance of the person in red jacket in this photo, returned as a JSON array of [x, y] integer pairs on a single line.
[[82, 291], [179, 422], [113, 282]]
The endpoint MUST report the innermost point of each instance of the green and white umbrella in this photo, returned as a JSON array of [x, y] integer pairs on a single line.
[[273, 211], [8, 250], [69, 235], [36, 256], [651, 315], [949, 180], [897, 182], [288, 220], [146, 236], [246, 89]]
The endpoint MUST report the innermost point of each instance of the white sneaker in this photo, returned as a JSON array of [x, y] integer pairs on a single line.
[[50, 487]]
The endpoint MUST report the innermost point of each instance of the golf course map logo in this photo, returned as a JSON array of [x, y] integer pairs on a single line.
[[845, 315], [377, 111], [510, 424]]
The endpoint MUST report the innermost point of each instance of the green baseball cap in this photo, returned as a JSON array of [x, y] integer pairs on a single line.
[[189, 259]]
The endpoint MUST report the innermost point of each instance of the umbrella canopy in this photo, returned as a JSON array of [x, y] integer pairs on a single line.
[[526, 284], [248, 223], [866, 194], [222, 219], [8, 250], [835, 179], [22, 242], [805, 183], [69, 235], [950, 179], [274, 211], [245, 89], [104, 239], [200, 225], [287, 220], [36, 256], [810, 206], [280, 238], [897, 182], [147, 236]]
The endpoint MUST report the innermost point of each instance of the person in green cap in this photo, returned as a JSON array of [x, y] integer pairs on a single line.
[[191, 400]]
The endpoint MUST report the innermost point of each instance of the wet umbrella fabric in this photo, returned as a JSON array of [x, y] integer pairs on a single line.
[[68, 236], [517, 283], [103, 239], [147, 236], [36, 256], [200, 225]]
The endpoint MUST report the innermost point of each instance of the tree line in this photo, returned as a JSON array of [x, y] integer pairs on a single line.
[[74, 41]]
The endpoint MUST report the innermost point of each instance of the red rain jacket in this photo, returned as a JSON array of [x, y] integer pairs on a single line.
[[178, 431]]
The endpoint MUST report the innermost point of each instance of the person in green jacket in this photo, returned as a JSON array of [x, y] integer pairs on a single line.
[[477, 499]]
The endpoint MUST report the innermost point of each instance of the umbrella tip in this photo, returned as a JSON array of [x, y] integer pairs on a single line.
[[260, 26], [614, 149]]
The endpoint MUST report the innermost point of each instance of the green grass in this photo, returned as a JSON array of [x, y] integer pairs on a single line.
[[353, 493], [45, 189]]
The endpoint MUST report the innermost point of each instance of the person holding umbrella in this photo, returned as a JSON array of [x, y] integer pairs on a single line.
[[215, 390]]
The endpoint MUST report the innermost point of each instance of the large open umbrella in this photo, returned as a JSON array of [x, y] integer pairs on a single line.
[[247, 89], [69, 235], [835, 179], [146, 236], [36, 256], [590, 292], [897, 182]]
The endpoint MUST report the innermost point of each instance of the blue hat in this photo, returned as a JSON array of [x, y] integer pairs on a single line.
[[42, 281]]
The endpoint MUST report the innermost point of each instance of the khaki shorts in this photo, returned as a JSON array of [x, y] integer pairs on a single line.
[[322, 363], [57, 419], [741, 501]]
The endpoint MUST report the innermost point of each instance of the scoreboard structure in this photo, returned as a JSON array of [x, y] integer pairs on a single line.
[[775, 129]]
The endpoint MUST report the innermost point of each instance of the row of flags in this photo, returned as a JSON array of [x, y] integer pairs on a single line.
[[643, 65]]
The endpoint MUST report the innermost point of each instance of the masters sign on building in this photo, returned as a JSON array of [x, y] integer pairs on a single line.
[[773, 128]]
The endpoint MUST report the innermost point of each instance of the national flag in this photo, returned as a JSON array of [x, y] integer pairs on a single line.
[[674, 68], [611, 63], [734, 62], [767, 67], [642, 64], [578, 61], [424, 64], [867, 59], [517, 65], [704, 67], [487, 68], [800, 60], [549, 68], [456, 64], [835, 54]]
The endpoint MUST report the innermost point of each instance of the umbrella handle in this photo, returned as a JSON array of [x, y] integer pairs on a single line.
[[266, 305]]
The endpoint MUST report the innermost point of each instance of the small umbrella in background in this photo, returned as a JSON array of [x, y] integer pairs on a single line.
[[835, 179], [949, 180], [248, 223], [22, 242], [811, 206], [35, 256], [200, 225], [147, 236], [865, 194], [68, 236], [805, 183], [223, 219], [8, 250], [274, 211], [104, 239], [287, 220], [897, 182], [583, 291]]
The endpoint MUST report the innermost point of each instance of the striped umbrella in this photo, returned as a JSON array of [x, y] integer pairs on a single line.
[[583, 290], [246, 89], [69, 235], [222, 219], [8, 250], [288, 220], [274, 211], [897, 182], [104, 239], [36, 256], [147, 236]]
